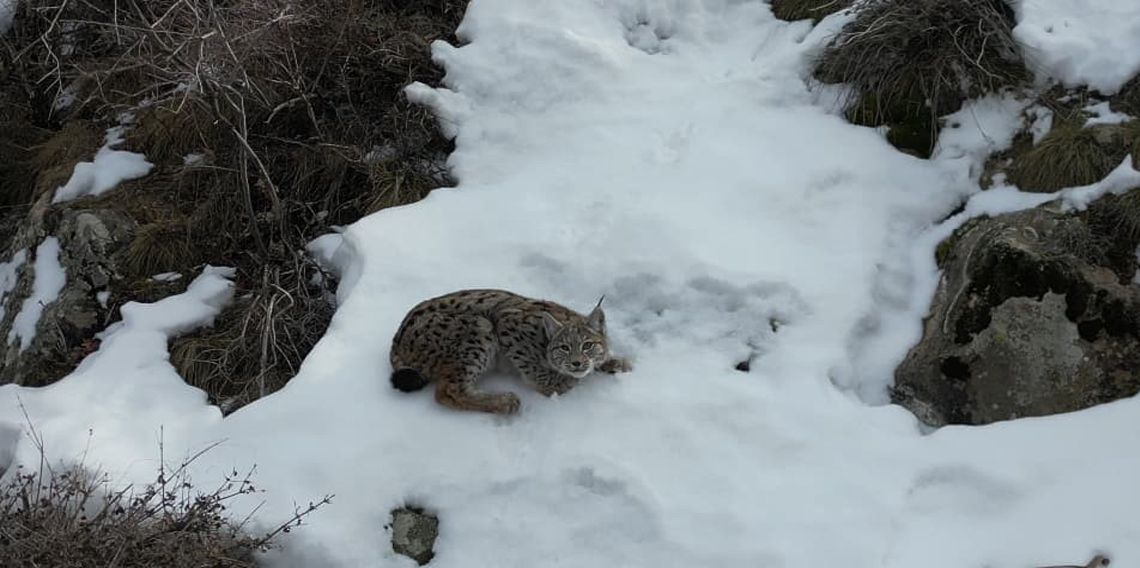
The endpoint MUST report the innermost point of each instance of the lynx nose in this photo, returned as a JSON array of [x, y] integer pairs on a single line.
[[577, 365]]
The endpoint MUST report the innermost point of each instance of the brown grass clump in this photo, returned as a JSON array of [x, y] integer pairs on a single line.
[[298, 113], [1072, 155], [792, 10], [258, 344], [915, 60], [77, 519], [158, 247]]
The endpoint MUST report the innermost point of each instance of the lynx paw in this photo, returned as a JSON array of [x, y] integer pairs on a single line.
[[616, 365], [508, 404]]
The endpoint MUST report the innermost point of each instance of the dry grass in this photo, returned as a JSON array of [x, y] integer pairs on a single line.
[[912, 60], [162, 246], [75, 518], [257, 345], [792, 10], [298, 111], [1072, 155]]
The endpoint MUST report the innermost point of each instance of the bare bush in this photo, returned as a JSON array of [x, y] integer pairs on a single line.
[[77, 518]]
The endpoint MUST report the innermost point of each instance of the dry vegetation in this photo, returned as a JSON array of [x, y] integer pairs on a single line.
[[816, 10], [909, 62], [76, 518], [295, 119]]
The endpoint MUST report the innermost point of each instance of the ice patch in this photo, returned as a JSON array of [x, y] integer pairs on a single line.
[[102, 297], [1082, 42], [50, 278], [108, 169]]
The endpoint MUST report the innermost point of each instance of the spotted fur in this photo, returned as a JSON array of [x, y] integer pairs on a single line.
[[454, 339]]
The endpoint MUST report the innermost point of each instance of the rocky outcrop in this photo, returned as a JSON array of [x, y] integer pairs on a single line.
[[414, 533], [88, 242], [1035, 314]]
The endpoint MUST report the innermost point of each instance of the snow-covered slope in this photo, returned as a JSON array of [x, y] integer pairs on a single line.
[[668, 155]]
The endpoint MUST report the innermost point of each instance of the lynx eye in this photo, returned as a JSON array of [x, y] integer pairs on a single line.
[[562, 348], [588, 345]]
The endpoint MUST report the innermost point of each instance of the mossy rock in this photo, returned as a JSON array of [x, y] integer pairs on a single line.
[[815, 10], [945, 250], [914, 138]]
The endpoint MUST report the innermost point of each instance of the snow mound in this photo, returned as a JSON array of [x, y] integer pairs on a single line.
[[1082, 42], [108, 169]]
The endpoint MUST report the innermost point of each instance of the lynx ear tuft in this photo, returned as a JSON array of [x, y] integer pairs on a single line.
[[597, 318], [550, 325]]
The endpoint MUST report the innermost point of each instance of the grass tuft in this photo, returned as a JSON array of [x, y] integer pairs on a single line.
[[1072, 155], [815, 10], [911, 61]]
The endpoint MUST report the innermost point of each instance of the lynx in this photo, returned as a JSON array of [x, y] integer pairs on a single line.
[[454, 339]]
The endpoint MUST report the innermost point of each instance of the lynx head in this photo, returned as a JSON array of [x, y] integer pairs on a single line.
[[577, 346]]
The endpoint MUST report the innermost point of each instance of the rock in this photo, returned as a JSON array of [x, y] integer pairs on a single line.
[[414, 533], [88, 241], [1028, 320]]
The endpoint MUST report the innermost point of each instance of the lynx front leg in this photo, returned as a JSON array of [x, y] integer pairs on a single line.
[[616, 365], [547, 381], [463, 395]]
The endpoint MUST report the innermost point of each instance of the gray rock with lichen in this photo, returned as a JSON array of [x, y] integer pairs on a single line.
[[1027, 320], [89, 240], [414, 533]]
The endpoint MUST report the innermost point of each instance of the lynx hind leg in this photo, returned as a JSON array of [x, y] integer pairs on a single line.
[[471, 354]]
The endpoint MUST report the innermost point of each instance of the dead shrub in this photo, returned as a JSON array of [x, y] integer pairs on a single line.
[[917, 60], [79, 519]]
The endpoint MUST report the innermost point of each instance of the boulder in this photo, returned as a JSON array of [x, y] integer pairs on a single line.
[[1034, 315]]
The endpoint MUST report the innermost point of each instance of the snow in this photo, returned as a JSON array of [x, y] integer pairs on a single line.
[[982, 127], [49, 280], [1103, 114], [667, 154], [1082, 42], [108, 169], [7, 12], [166, 277], [1042, 121], [10, 275]]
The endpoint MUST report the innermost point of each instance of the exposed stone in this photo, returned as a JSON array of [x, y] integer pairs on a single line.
[[414, 533], [1027, 321], [88, 240]]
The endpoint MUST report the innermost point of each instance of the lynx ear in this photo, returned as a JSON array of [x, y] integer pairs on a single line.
[[550, 325], [597, 318]]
